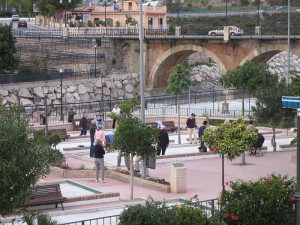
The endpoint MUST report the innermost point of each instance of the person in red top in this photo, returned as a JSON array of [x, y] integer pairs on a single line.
[[191, 125]]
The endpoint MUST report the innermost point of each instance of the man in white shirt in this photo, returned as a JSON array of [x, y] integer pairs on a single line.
[[115, 110]]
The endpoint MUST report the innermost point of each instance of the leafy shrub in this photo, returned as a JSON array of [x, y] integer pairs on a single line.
[[153, 213], [191, 213], [266, 201]]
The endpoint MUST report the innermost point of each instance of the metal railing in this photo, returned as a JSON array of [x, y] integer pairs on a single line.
[[156, 106], [208, 206], [107, 220]]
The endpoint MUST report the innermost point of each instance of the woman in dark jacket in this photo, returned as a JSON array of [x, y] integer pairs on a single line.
[[99, 160], [163, 140]]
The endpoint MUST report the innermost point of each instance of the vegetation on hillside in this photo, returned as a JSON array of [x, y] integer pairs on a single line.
[[275, 23]]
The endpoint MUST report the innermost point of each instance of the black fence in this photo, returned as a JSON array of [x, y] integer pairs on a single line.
[[155, 105]]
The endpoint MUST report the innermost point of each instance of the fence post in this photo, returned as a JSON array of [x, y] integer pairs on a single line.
[[213, 207], [233, 113], [195, 97]]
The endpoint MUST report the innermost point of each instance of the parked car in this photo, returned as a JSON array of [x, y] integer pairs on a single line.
[[15, 18], [233, 31], [22, 23]]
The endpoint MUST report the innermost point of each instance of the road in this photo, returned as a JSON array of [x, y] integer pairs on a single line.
[[30, 23]]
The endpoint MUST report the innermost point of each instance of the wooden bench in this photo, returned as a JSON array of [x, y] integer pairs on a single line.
[[77, 121], [45, 195], [61, 132], [170, 126], [152, 125]]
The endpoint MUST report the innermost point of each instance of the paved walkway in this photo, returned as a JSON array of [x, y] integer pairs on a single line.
[[203, 176]]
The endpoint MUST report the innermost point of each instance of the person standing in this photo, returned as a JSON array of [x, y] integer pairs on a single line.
[[116, 110], [191, 125], [83, 125], [251, 126], [99, 160], [99, 134], [200, 134], [92, 137], [98, 118], [163, 140], [71, 114]]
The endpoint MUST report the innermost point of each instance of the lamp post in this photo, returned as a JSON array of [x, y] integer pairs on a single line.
[[105, 13], [65, 2], [177, 13], [45, 91], [289, 43], [298, 170], [258, 11], [61, 71], [95, 60], [226, 12]]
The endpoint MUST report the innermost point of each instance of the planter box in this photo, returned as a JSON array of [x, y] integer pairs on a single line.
[[65, 173], [139, 181]]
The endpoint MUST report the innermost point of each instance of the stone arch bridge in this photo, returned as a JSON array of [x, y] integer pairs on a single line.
[[161, 54]]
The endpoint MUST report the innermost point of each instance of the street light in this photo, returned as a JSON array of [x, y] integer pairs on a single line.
[[258, 11], [226, 12], [289, 43], [95, 60], [65, 2], [105, 13], [298, 170], [61, 71]]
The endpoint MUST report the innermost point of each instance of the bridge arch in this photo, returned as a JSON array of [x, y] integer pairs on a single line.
[[159, 72], [263, 55]]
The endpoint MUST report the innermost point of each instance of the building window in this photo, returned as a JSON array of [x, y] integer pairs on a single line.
[[160, 23], [130, 6], [150, 23]]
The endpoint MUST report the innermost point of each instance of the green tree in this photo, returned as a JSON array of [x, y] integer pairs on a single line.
[[229, 140], [25, 156], [50, 8], [133, 137], [178, 83], [8, 57], [269, 200], [268, 107], [248, 76]]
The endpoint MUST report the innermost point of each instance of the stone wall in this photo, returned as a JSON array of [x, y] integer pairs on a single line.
[[118, 85]]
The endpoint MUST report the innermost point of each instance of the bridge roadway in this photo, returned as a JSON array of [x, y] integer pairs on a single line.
[[134, 34]]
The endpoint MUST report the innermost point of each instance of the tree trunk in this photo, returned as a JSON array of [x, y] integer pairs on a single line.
[[243, 103], [178, 113], [131, 176], [273, 140], [223, 182], [243, 114]]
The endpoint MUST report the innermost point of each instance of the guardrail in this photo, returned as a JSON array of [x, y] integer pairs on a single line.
[[94, 32], [208, 206]]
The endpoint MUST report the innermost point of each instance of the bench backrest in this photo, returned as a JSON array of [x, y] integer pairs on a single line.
[[169, 124], [45, 191], [152, 124], [61, 131]]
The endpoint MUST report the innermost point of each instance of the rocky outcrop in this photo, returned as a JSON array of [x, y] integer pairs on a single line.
[[278, 64]]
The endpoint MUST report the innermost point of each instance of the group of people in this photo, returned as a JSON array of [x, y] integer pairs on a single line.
[[191, 125]]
